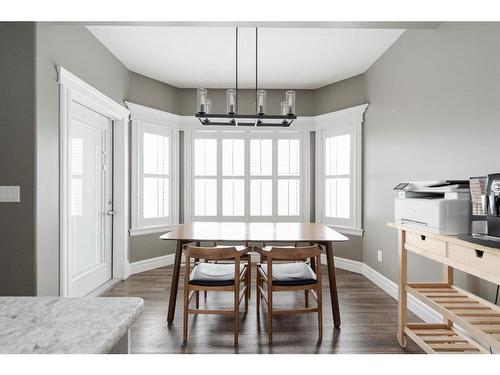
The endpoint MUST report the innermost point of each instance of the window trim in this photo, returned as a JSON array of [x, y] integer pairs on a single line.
[[162, 123], [346, 121], [247, 135]]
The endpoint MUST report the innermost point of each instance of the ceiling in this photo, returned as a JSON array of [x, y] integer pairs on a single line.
[[298, 58]]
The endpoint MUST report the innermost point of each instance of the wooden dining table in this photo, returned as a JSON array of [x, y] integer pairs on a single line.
[[254, 232]]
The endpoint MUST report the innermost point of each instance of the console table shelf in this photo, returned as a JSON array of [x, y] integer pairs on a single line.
[[478, 319], [439, 338]]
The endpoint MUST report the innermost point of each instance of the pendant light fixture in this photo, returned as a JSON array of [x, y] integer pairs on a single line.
[[232, 116]]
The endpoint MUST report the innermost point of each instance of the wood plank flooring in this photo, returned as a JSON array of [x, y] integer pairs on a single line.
[[369, 319]]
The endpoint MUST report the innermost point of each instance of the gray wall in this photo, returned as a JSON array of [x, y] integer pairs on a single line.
[[151, 93], [434, 113], [347, 93], [149, 246], [74, 48], [17, 157]]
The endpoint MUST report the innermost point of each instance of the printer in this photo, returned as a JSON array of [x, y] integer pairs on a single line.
[[442, 207]]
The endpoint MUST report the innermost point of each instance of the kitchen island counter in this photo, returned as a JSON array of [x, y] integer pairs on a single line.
[[66, 325]]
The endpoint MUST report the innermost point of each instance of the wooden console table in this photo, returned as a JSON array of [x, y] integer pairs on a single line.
[[477, 317]]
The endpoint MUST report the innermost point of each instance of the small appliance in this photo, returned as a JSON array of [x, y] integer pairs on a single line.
[[485, 194], [441, 207]]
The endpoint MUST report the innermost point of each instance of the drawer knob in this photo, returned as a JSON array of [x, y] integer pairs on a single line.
[[479, 253], [422, 237]]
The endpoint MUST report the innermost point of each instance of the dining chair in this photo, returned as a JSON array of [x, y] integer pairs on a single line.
[[246, 257], [284, 269], [227, 277], [310, 261]]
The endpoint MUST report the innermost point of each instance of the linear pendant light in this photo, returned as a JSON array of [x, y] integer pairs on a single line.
[[232, 117]]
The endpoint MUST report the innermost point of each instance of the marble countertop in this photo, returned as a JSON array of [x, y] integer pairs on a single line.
[[65, 325]]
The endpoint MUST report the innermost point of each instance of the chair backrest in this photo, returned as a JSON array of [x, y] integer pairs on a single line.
[[213, 253], [292, 253]]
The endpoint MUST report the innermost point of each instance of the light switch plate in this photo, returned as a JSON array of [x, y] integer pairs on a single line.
[[10, 194], [379, 255]]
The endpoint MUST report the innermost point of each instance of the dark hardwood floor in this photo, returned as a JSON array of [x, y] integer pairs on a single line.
[[369, 319]]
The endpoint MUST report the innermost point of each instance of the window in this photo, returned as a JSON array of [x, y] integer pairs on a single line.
[[205, 172], [338, 169], [288, 177], [247, 176], [261, 178], [76, 177], [338, 176], [233, 177], [154, 177]]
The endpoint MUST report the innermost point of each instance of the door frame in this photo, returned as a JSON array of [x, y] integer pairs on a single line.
[[72, 88]]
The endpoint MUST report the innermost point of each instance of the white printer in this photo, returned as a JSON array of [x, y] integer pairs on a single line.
[[441, 207]]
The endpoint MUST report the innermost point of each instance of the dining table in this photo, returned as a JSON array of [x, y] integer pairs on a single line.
[[251, 233]]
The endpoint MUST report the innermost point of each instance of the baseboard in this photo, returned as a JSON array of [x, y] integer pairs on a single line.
[[345, 264], [417, 307], [151, 264], [103, 288]]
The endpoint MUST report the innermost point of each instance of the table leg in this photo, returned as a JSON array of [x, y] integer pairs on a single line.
[[448, 279], [333, 284], [402, 295], [175, 282]]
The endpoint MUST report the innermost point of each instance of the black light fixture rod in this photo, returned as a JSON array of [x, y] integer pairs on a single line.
[[256, 119], [237, 70], [256, 71]]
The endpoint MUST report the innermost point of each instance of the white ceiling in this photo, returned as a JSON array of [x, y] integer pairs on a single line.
[[299, 58]]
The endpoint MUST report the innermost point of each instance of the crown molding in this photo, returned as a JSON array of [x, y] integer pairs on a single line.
[[353, 115], [82, 91], [156, 116], [346, 116]]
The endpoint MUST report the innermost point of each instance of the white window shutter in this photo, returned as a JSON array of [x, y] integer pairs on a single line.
[[246, 176]]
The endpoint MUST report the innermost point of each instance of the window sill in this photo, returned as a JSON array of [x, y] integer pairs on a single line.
[[151, 230], [345, 230]]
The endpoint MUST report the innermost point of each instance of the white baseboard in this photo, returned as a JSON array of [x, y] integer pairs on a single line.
[[420, 309], [345, 264], [417, 307], [151, 264], [103, 288]]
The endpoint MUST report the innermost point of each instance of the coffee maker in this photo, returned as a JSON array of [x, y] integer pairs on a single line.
[[485, 221], [493, 207]]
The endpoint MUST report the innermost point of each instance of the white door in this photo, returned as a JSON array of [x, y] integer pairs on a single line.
[[90, 200]]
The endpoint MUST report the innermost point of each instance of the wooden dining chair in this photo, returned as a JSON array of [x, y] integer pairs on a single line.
[[227, 277], [246, 257], [310, 261], [291, 274]]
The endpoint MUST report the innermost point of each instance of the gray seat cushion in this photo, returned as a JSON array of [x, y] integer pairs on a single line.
[[210, 274], [291, 274]]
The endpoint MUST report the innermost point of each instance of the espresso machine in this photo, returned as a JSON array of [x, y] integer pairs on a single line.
[[485, 199], [493, 206]]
